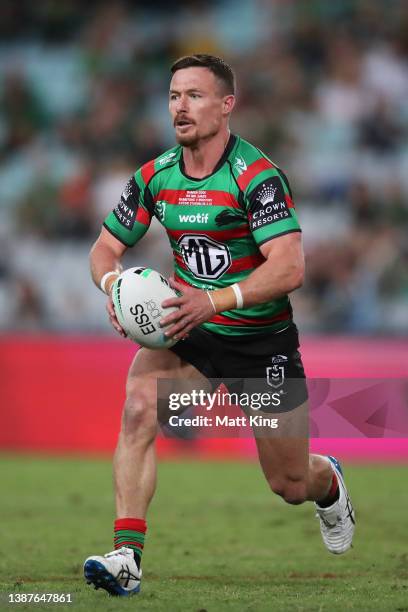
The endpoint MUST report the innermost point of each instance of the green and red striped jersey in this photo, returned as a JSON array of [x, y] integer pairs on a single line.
[[215, 224]]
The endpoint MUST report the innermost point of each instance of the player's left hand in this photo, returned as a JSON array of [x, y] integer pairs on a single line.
[[194, 307]]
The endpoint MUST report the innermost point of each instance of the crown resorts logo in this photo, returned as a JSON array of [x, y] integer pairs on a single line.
[[127, 190], [267, 194]]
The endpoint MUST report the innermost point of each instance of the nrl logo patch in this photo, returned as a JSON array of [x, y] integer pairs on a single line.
[[240, 165], [160, 210], [275, 375], [166, 158]]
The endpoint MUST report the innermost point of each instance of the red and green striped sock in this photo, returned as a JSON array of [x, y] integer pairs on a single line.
[[130, 532]]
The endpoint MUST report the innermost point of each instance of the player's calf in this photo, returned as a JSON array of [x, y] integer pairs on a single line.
[[292, 490]]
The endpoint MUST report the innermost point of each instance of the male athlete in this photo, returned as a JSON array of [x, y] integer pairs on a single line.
[[230, 218]]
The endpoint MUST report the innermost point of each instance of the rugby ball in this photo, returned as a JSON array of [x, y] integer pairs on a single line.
[[137, 296]]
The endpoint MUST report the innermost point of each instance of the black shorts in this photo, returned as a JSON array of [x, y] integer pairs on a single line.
[[261, 362]]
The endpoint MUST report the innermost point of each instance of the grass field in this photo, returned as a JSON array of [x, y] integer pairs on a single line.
[[218, 540]]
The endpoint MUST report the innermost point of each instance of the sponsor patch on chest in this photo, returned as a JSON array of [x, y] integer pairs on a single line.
[[204, 256]]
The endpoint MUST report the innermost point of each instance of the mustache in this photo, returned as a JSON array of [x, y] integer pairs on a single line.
[[182, 118]]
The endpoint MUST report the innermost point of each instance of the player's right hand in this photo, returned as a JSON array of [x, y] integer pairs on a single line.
[[111, 310]]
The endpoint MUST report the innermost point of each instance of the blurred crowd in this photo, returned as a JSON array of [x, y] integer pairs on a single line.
[[322, 89]]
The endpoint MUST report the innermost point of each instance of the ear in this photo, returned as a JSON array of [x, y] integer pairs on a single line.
[[228, 104]]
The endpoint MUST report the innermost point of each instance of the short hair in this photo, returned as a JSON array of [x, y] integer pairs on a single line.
[[218, 67]]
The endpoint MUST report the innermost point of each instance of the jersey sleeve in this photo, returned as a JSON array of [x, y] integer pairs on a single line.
[[269, 204], [131, 217]]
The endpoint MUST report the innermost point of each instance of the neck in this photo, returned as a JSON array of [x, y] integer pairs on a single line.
[[201, 159]]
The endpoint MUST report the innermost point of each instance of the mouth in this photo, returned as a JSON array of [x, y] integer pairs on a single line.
[[183, 123]]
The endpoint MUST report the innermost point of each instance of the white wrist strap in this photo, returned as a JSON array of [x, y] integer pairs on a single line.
[[211, 300], [105, 278], [237, 290]]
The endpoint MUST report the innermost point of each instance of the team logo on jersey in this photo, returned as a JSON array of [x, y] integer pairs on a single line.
[[204, 256], [275, 374], [268, 204], [160, 210], [228, 216], [126, 209], [240, 165], [166, 158]]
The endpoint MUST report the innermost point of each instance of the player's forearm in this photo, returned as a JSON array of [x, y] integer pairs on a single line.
[[103, 259], [266, 283], [271, 281]]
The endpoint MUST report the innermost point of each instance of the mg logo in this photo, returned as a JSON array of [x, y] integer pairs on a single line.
[[204, 256]]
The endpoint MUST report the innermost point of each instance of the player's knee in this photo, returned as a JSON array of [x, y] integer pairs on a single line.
[[292, 490], [140, 413]]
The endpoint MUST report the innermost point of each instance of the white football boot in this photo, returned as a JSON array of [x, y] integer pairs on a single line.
[[337, 522], [115, 572]]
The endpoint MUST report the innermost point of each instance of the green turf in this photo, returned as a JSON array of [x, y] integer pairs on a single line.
[[218, 540]]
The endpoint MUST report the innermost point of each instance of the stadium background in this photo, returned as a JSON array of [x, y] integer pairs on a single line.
[[322, 89]]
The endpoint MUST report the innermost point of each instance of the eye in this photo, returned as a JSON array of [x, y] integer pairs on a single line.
[[173, 96]]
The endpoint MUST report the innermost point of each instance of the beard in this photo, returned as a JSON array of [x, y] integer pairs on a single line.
[[187, 140], [192, 138]]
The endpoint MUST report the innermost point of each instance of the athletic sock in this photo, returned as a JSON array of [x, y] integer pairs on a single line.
[[130, 532], [333, 494]]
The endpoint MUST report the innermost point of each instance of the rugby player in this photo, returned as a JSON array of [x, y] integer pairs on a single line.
[[231, 221]]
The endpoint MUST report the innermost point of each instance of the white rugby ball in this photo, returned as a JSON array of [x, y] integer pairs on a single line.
[[137, 296]]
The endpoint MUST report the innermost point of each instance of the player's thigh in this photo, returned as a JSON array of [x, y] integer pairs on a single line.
[[161, 364], [284, 451], [154, 375]]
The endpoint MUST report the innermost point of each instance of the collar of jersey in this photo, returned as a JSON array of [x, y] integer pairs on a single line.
[[230, 145]]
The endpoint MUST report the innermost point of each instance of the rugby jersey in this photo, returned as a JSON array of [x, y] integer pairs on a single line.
[[215, 224]]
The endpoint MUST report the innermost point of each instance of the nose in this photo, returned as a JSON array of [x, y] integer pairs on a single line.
[[181, 104]]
